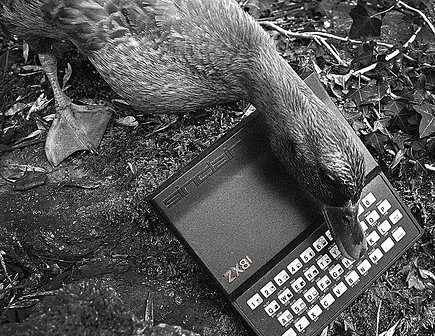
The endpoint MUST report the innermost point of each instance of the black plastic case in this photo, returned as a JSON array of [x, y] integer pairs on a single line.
[[264, 239]]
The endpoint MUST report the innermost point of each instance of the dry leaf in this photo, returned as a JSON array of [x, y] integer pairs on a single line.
[[66, 76], [32, 67], [324, 332], [49, 117], [414, 281], [25, 51], [425, 274], [35, 69], [32, 135], [129, 121], [390, 332], [14, 172], [16, 108], [39, 104], [29, 181]]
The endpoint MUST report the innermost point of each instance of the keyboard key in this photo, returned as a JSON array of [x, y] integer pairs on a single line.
[[352, 278], [315, 312], [272, 308], [298, 284], [298, 306], [324, 282], [375, 256], [399, 233], [364, 267], [328, 235], [339, 289], [320, 243], [327, 300], [255, 301], [324, 261], [311, 294], [307, 255], [395, 216], [294, 266], [268, 289], [372, 238], [384, 206], [285, 296], [335, 252], [372, 217], [384, 227], [336, 271], [369, 200], [387, 244], [302, 323], [364, 226], [347, 262], [281, 278], [285, 318], [290, 332], [311, 273]]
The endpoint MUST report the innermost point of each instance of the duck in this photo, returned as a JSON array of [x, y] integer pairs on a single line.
[[177, 56]]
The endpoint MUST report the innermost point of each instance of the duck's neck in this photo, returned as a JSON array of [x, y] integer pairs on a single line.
[[275, 89]]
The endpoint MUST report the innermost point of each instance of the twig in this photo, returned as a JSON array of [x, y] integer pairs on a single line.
[[6, 309], [377, 318], [318, 39], [34, 295], [2, 261], [389, 56], [425, 18], [347, 39], [331, 49], [160, 129], [384, 11], [310, 35]]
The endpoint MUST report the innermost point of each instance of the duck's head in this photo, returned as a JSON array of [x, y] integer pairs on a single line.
[[324, 157]]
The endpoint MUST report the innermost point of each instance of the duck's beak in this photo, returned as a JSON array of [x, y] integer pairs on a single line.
[[346, 230]]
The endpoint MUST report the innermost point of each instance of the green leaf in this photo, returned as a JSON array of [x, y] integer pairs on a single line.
[[377, 141], [427, 123], [363, 24], [400, 115]]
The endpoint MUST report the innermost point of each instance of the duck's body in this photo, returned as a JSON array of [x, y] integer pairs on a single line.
[[169, 56]]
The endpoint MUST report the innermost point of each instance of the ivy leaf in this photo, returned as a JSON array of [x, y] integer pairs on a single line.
[[418, 149], [400, 138], [363, 24], [401, 153], [394, 107], [361, 96], [365, 54], [400, 115], [427, 123], [377, 141]]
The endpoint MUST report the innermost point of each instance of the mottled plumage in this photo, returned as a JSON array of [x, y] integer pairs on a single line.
[[173, 56]]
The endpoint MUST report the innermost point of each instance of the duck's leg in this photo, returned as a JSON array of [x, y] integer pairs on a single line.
[[75, 127]]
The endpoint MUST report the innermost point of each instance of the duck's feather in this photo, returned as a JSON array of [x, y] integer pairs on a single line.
[[163, 55]]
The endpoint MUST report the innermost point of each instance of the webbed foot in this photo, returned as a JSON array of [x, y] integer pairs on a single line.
[[76, 127]]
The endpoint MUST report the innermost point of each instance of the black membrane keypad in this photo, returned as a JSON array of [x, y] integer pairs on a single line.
[[314, 283]]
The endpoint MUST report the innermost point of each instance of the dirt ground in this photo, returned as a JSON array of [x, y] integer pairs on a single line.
[[88, 231]]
